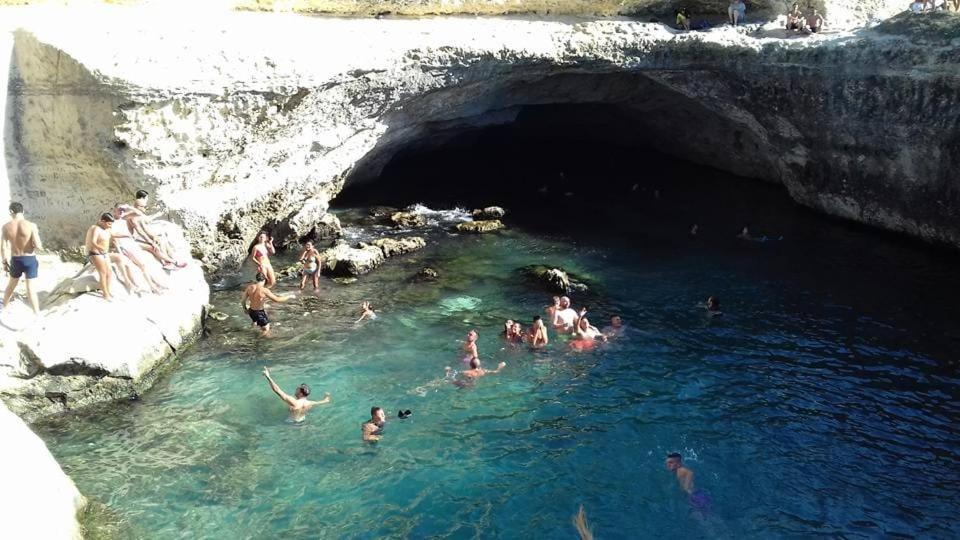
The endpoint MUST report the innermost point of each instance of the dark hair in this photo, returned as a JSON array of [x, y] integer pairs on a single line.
[[141, 194], [260, 277], [536, 318], [16, 208], [107, 216], [713, 303], [373, 411], [674, 455], [303, 389], [474, 363]]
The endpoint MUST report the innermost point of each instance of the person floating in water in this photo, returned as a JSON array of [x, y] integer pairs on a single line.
[[366, 312], [470, 348], [254, 301], [476, 370], [24, 239], [298, 403], [713, 306], [516, 333], [699, 499], [536, 335], [310, 259], [260, 254], [372, 429]]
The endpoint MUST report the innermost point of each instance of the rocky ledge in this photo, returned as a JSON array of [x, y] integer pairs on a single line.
[[234, 134]]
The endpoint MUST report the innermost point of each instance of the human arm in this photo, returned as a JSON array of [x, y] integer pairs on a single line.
[[3, 253], [269, 294], [270, 249], [370, 432], [302, 258], [243, 299], [326, 399], [500, 366], [576, 326], [37, 244], [276, 389]]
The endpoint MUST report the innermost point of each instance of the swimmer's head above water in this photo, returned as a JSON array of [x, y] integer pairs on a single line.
[[616, 321], [302, 391], [713, 304], [377, 416], [674, 461], [472, 336], [564, 302]]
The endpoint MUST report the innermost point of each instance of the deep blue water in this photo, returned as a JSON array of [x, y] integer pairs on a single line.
[[823, 402]]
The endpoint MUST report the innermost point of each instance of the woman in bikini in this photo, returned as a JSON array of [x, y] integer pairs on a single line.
[[261, 253], [536, 335]]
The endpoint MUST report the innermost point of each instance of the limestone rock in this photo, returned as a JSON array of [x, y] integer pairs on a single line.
[[554, 279], [399, 246], [37, 499], [427, 274], [408, 220], [490, 212], [342, 260], [483, 226]]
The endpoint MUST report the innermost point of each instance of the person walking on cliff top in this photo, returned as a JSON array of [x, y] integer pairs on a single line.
[[260, 254], [298, 402], [97, 244], [254, 301], [311, 261], [24, 239]]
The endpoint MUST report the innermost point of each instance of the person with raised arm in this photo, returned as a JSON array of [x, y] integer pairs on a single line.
[[366, 312], [310, 260], [261, 253], [469, 348], [476, 370], [24, 239], [254, 301], [564, 316], [298, 402], [536, 335]]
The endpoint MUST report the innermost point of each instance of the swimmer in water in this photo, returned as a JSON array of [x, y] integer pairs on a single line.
[[476, 371], [536, 335], [372, 429], [516, 333], [564, 316], [298, 403], [310, 259], [616, 327], [713, 306], [698, 498], [470, 348], [507, 329], [584, 330], [366, 312]]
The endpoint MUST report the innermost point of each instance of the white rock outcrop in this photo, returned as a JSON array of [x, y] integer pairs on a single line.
[[37, 499]]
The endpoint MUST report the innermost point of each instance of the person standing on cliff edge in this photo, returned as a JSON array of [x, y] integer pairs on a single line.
[[24, 239]]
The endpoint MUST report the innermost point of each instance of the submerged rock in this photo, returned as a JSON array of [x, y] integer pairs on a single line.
[[342, 260], [408, 220], [427, 274], [554, 279], [490, 212], [399, 246]]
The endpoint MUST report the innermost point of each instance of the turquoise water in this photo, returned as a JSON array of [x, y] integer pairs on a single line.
[[822, 403]]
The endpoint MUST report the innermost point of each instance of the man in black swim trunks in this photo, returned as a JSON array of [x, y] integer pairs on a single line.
[[24, 239], [255, 297]]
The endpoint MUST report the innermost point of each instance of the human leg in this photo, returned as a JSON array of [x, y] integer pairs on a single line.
[[316, 280], [103, 270], [11, 286], [32, 295]]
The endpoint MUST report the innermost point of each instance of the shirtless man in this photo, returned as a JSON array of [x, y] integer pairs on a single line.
[[298, 403], [616, 327], [97, 243], [24, 239], [564, 316], [366, 312], [139, 220], [373, 428], [310, 259], [470, 352], [254, 299], [121, 234], [476, 371], [815, 21], [683, 474]]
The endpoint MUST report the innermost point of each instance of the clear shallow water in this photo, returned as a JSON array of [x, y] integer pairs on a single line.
[[823, 402]]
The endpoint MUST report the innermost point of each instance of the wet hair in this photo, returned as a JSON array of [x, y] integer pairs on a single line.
[[260, 277], [674, 455], [713, 303], [303, 389], [536, 318], [373, 411], [474, 363], [141, 194], [107, 216], [16, 208]]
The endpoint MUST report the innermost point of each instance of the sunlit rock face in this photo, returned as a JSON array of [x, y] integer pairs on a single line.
[[245, 121]]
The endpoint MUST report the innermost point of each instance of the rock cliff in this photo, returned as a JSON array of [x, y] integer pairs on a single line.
[[246, 120]]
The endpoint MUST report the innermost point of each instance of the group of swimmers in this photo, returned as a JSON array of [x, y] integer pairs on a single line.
[[122, 241]]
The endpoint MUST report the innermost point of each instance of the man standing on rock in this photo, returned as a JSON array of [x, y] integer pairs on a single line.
[[255, 297], [24, 239], [97, 243]]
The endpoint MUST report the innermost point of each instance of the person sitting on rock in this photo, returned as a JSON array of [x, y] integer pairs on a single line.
[[97, 243], [536, 335], [795, 18], [310, 259], [147, 237], [24, 239], [736, 11], [122, 237], [254, 301], [298, 403], [372, 429], [564, 316], [261, 253], [366, 312], [814, 22], [683, 19]]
